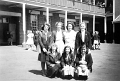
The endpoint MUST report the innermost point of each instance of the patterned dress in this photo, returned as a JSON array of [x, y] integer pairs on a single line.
[[70, 39]]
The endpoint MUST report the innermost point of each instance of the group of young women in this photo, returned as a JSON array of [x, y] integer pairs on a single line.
[[65, 52]]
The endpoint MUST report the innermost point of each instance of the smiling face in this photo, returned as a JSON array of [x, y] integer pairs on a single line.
[[83, 50], [59, 26], [67, 50], [46, 27], [83, 26], [70, 27]]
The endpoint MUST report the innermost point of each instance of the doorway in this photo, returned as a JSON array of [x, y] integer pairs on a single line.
[[9, 24]]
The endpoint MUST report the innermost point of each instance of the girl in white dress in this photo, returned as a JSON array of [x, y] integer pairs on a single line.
[[58, 37], [30, 41], [70, 35]]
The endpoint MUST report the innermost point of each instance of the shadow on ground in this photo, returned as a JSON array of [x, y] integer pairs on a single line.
[[37, 72]]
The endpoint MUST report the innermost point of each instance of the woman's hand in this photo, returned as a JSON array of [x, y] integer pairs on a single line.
[[44, 50], [52, 65], [82, 62], [58, 62]]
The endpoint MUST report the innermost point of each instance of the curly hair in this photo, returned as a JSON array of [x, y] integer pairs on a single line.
[[42, 26], [51, 46]]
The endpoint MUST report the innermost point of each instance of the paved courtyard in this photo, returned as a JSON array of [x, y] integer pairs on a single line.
[[17, 64]]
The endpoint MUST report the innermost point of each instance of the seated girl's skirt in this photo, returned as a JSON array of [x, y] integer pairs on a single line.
[[68, 70], [82, 70], [53, 71]]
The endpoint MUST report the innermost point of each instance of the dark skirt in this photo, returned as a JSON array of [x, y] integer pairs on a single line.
[[53, 70], [42, 56]]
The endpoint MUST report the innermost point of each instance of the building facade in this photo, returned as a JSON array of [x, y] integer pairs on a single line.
[[18, 16]]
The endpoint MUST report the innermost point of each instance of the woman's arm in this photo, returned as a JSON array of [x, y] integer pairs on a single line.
[[77, 43], [62, 61], [89, 42], [40, 40], [89, 62]]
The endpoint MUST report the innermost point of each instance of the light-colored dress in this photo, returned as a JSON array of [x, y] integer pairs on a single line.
[[30, 39], [59, 41], [70, 38]]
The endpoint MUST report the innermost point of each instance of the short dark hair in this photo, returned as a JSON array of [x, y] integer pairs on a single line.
[[42, 27], [71, 24]]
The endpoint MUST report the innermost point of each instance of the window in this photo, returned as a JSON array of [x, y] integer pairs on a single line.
[[34, 22], [62, 20]]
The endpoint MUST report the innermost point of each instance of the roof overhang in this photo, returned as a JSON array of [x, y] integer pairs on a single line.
[[117, 20]]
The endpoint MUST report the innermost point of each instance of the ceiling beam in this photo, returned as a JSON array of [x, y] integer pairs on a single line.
[[37, 8], [13, 5]]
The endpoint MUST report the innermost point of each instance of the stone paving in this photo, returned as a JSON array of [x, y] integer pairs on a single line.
[[17, 64]]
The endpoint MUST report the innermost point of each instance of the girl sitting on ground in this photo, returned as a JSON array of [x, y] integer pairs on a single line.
[[53, 62], [83, 61], [67, 62]]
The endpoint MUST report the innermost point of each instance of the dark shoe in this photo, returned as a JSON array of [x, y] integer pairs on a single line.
[[43, 73]]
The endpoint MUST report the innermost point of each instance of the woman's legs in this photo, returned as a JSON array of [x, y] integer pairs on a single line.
[[43, 68]]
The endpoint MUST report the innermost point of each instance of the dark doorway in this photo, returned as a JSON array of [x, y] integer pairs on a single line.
[[117, 33], [99, 26], [109, 34], [9, 24]]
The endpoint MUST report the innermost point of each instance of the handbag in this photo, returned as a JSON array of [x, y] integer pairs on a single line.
[[39, 57]]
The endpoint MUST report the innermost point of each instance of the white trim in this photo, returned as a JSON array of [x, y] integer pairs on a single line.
[[24, 22], [81, 20], [105, 25], [93, 24], [10, 13], [47, 15], [72, 20], [13, 1], [66, 19], [113, 10]]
